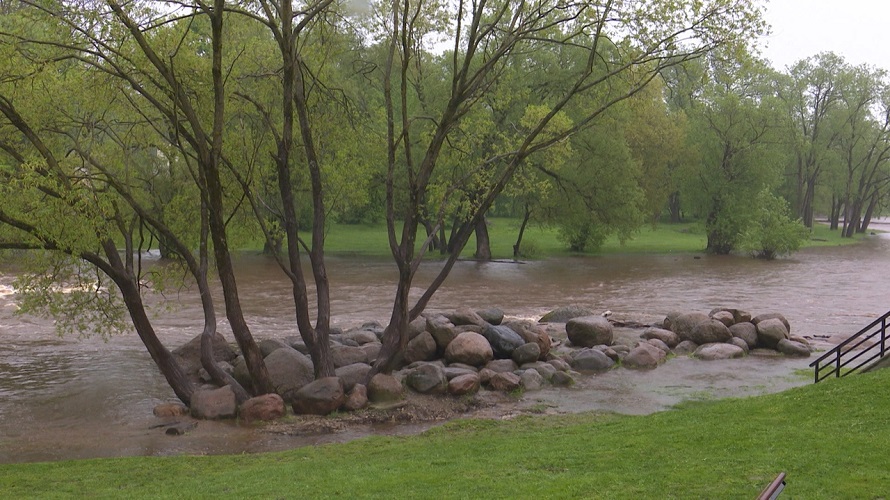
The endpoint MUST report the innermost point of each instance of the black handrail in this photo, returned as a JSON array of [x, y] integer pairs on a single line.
[[772, 490], [835, 358]]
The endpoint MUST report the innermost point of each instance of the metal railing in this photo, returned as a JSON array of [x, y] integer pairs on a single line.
[[868, 345], [771, 492]]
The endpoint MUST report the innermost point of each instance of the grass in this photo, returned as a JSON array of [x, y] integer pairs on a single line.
[[371, 240], [827, 437]]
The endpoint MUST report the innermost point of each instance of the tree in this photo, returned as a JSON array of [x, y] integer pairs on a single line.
[[772, 232]]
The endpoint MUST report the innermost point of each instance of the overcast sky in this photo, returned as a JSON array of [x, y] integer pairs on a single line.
[[857, 30]]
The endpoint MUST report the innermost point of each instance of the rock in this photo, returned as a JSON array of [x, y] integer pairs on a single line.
[[668, 321], [454, 371], [683, 324], [343, 355], [374, 327], [526, 353], [531, 332], [416, 327], [320, 397], [685, 348], [503, 340], [441, 329], [269, 345], [644, 356], [745, 331], [713, 352], [485, 375], [668, 337], [341, 339], [361, 337], [763, 317], [265, 408], [564, 314], [505, 382], [709, 332], [357, 398], [562, 379], [545, 369], [591, 360], [610, 352], [224, 366], [420, 348], [792, 348], [189, 354], [741, 343], [560, 365], [770, 332], [464, 384], [724, 317], [289, 371], [384, 389], [372, 350], [531, 380], [466, 317], [796, 338], [427, 379], [469, 348], [588, 331], [298, 344], [214, 403], [492, 315], [659, 344], [738, 315], [353, 374], [170, 410], [502, 365], [239, 371]]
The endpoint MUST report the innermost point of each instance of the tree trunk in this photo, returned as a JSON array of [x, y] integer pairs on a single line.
[[674, 207], [525, 218], [483, 243], [834, 217]]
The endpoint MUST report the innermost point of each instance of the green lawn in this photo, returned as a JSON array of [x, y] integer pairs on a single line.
[[829, 438], [371, 240]]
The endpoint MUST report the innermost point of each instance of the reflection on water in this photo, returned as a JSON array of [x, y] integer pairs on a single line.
[[70, 398]]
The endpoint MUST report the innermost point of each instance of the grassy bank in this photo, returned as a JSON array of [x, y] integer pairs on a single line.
[[829, 438], [541, 242]]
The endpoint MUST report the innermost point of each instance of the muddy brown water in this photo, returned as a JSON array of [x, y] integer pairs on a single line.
[[64, 398]]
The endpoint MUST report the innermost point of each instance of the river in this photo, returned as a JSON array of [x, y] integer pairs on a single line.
[[64, 398]]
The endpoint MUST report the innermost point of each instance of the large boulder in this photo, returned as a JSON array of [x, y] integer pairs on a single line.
[[792, 348], [505, 382], [531, 332], [644, 356], [668, 337], [420, 348], [563, 314], [770, 332], [526, 353], [683, 324], [531, 380], [588, 331], [492, 315], [357, 398], [591, 360], [503, 340], [464, 384], [189, 354], [353, 374], [268, 345], [545, 369], [710, 332], [416, 327], [741, 343], [441, 329], [502, 365], [685, 348], [385, 389], [214, 403], [427, 379], [361, 337], [264, 408], [459, 369], [289, 371], [724, 317], [320, 397], [466, 317], [668, 321], [343, 355], [745, 331], [738, 315], [469, 348], [763, 317], [713, 352]]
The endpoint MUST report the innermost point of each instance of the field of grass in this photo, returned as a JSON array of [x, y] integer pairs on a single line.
[[829, 438], [541, 242]]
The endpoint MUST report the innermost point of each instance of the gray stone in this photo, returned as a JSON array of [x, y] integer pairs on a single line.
[[492, 315], [503, 340], [268, 345], [741, 343], [668, 321], [718, 351], [685, 348], [563, 314], [441, 329], [738, 315], [427, 379], [770, 332], [343, 355], [644, 356], [464, 384], [465, 366], [792, 348], [545, 369], [560, 365], [372, 350], [709, 332], [505, 382], [591, 360], [416, 327], [466, 317], [357, 398], [189, 354], [683, 324], [362, 337], [320, 397], [384, 389], [420, 348], [214, 403], [763, 317], [485, 375], [668, 337], [531, 380], [289, 371], [297, 343], [531, 332], [724, 317], [610, 352], [502, 365], [562, 379], [469, 348], [588, 331], [745, 331], [452, 372], [659, 344], [526, 353], [353, 374]]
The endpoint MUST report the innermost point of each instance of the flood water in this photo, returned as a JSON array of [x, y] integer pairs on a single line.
[[66, 398]]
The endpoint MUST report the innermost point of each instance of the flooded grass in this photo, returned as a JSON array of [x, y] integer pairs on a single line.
[[826, 437]]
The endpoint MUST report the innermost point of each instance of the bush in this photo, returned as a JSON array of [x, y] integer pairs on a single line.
[[772, 231]]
